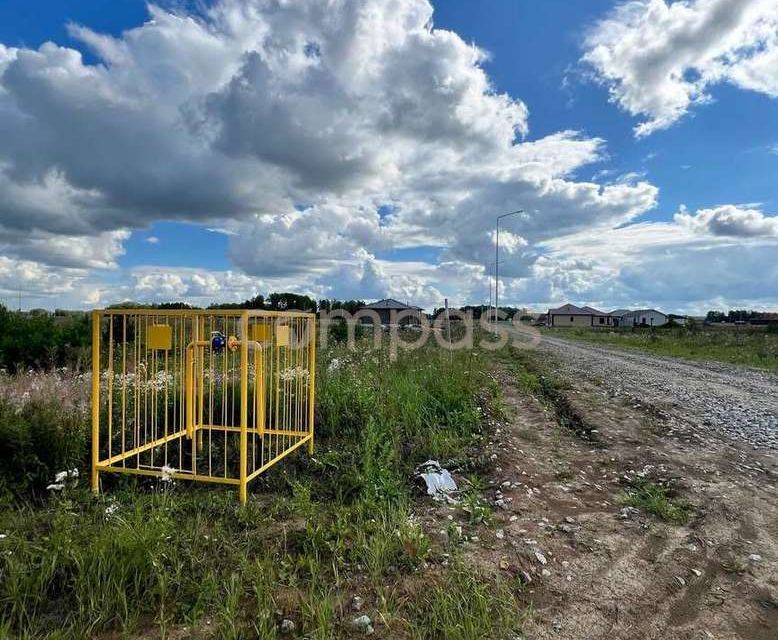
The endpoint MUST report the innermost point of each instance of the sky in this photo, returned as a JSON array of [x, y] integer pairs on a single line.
[[211, 151]]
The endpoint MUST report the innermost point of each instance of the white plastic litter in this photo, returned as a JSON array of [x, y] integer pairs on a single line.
[[440, 484]]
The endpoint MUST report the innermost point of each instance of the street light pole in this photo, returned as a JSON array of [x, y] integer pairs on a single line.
[[497, 261], [490, 271], [489, 267]]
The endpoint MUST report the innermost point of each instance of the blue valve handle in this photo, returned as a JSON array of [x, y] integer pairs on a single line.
[[218, 342]]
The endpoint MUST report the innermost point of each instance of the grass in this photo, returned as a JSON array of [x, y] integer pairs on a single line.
[[657, 499], [740, 346], [534, 377], [148, 558], [465, 607]]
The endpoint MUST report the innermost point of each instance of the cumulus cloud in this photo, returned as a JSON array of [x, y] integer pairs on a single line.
[[315, 136], [235, 116], [659, 58], [730, 220], [37, 284], [724, 255]]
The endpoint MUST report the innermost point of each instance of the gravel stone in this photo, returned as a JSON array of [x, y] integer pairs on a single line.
[[706, 397]]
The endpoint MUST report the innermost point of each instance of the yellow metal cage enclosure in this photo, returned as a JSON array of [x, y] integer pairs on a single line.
[[210, 396]]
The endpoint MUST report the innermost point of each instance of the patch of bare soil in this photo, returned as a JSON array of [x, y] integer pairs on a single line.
[[592, 568]]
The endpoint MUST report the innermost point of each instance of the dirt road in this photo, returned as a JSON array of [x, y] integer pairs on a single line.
[[593, 567], [735, 402]]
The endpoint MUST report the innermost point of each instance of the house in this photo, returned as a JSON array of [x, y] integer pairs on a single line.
[[616, 316], [643, 318], [388, 310], [568, 315], [674, 317]]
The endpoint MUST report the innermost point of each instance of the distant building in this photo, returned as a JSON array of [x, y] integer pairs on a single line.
[[387, 308], [643, 318], [568, 315], [616, 316]]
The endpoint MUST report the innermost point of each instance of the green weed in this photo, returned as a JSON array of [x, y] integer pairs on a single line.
[[465, 606], [658, 499]]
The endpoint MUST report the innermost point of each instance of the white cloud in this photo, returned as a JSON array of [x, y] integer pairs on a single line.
[[38, 284], [659, 58], [715, 256], [293, 128], [730, 220], [152, 240], [232, 117]]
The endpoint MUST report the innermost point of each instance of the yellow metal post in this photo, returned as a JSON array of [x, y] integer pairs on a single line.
[[244, 406], [311, 382], [200, 380], [189, 390], [259, 382], [193, 389], [95, 399]]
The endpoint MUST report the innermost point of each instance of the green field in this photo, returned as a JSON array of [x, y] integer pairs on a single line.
[[753, 347], [151, 559]]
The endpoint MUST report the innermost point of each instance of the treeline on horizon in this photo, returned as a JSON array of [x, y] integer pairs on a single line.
[[742, 315], [40, 339]]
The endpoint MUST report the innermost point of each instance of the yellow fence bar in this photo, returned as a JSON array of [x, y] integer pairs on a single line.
[[95, 398], [174, 475], [312, 381], [244, 403]]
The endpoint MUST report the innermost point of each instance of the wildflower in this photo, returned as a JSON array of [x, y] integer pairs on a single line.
[[3, 535], [66, 475], [111, 509], [292, 373], [55, 487], [167, 473], [334, 365]]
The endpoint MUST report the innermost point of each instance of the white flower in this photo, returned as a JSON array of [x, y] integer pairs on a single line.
[[66, 475], [167, 473], [111, 509], [55, 487], [3, 535], [292, 373], [334, 365]]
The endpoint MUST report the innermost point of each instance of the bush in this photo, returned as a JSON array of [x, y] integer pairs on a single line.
[[44, 429], [38, 440], [42, 340]]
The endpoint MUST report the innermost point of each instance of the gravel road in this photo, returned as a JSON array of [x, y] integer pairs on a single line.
[[735, 402]]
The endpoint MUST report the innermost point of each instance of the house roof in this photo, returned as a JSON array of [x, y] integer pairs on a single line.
[[594, 312], [637, 312], [568, 308], [572, 310], [390, 303], [620, 312]]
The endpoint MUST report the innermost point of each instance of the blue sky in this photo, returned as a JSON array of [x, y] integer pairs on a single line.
[[193, 188]]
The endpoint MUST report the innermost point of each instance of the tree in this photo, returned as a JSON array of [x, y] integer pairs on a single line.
[[290, 301]]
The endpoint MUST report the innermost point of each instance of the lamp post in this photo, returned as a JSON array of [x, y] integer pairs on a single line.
[[497, 261], [490, 271]]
